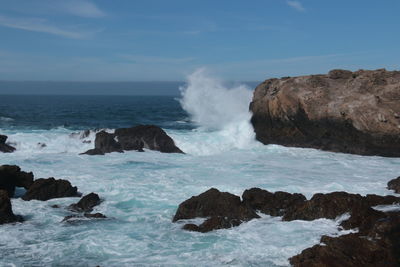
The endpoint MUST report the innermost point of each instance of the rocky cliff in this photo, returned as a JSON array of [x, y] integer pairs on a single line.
[[343, 111]]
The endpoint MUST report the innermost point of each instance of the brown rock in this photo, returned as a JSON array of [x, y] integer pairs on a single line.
[[394, 185], [45, 189], [11, 176], [342, 112], [274, 204], [213, 223], [87, 203], [3, 146], [6, 213], [134, 138]]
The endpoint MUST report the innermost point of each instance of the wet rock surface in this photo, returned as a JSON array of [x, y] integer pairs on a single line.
[[45, 189], [6, 213], [134, 138], [11, 176], [343, 111], [224, 209], [86, 203], [5, 148], [394, 185]]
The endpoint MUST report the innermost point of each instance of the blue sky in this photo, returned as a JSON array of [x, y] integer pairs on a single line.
[[125, 40]]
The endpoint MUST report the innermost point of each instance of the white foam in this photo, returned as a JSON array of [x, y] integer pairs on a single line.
[[221, 113], [6, 119]]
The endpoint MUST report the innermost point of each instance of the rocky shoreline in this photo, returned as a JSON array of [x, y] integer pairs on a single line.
[[342, 111], [375, 243]]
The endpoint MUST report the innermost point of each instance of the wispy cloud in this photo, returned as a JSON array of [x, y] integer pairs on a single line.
[[81, 8], [41, 25], [296, 5]]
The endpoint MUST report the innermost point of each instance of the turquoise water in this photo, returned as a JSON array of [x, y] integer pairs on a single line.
[[141, 191]]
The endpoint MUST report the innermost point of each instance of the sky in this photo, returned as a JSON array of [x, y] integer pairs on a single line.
[[125, 40]]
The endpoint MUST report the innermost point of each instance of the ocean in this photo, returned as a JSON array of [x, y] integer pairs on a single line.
[[141, 191]]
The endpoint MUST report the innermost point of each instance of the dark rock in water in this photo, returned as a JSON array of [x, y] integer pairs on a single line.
[[344, 111], [226, 210], [377, 246], [6, 213], [274, 204], [86, 141], [394, 185], [213, 223], [86, 203], [11, 176], [75, 217], [214, 203], [362, 218], [55, 206], [135, 138], [45, 189], [5, 147], [41, 145]]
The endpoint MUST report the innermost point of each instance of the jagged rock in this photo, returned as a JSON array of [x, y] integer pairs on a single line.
[[75, 217], [377, 246], [394, 185], [350, 112], [11, 176], [135, 138], [213, 223], [214, 203], [45, 189], [274, 204], [6, 213], [87, 203], [3, 146]]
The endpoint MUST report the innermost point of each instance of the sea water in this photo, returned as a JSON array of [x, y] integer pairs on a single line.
[[141, 191]]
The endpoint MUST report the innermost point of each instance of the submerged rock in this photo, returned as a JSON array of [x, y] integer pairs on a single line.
[[86, 203], [45, 189], [344, 111], [6, 213], [11, 176], [134, 138], [225, 209], [72, 218], [3, 146], [394, 185]]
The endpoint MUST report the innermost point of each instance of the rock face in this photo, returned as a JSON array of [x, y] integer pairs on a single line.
[[3, 146], [375, 245], [87, 203], [394, 185], [6, 213], [45, 189], [226, 210], [135, 138], [11, 176], [351, 112]]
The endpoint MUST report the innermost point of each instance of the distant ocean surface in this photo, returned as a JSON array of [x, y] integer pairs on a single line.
[[141, 191]]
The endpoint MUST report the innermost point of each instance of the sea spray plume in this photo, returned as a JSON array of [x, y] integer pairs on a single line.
[[221, 111]]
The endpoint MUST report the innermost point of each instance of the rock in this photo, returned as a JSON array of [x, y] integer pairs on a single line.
[[41, 145], [6, 213], [328, 206], [376, 246], [86, 203], [394, 185], [213, 223], [45, 189], [11, 176], [135, 138], [362, 218], [75, 217], [214, 203], [3, 146], [350, 112], [274, 204]]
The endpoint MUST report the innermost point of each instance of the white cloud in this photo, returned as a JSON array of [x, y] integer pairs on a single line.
[[81, 8], [296, 5], [41, 25]]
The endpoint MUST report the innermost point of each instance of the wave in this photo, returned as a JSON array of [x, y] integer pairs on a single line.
[[220, 112], [6, 119]]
